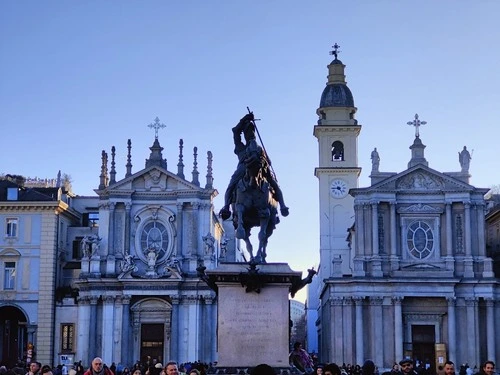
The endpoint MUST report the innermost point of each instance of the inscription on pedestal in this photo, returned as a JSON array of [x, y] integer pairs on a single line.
[[253, 328]]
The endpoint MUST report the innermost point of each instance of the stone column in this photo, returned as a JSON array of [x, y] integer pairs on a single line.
[[480, 229], [359, 334], [111, 229], [394, 245], [93, 329], [107, 329], [118, 337], [358, 210], [83, 329], [468, 231], [338, 338], [449, 233], [374, 229], [136, 334], [126, 354], [378, 329], [358, 261], [449, 259], [210, 323], [126, 241], [452, 328], [398, 326], [348, 338], [180, 236], [490, 327], [468, 262], [472, 333], [394, 259], [175, 327]]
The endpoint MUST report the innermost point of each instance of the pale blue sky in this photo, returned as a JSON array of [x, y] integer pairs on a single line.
[[81, 76]]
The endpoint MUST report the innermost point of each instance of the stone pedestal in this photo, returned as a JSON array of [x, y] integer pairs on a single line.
[[253, 314]]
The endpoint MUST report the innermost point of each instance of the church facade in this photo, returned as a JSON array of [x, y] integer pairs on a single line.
[[123, 268], [404, 265]]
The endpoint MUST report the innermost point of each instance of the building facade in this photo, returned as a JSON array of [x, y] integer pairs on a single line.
[[115, 273], [403, 262], [33, 223]]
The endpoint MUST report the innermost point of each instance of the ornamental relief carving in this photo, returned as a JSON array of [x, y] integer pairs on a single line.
[[420, 181], [434, 318]]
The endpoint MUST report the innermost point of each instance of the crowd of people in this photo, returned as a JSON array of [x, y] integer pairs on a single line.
[[300, 361], [306, 364]]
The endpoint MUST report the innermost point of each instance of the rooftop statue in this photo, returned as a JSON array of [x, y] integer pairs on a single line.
[[464, 158], [253, 192]]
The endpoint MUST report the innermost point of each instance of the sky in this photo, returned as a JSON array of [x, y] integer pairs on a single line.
[[78, 77]]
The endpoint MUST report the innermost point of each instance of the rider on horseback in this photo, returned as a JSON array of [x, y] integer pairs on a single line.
[[247, 127]]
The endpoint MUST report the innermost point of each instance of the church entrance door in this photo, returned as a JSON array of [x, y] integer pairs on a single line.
[[152, 342], [14, 335], [424, 340]]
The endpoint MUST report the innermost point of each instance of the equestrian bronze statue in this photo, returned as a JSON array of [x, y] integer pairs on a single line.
[[253, 193]]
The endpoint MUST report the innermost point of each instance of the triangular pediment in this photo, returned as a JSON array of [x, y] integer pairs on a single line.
[[418, 179], [151, 179]]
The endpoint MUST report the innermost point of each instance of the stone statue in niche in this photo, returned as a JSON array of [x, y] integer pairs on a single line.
[[127, 266], [223, 247], [90, 245], [152, 257], [209, 242]]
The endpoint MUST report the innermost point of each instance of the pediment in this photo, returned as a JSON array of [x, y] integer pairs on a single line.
[[152, 179], [419, 179]]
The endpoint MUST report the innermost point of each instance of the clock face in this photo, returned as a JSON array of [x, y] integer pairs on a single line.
[[338, 189], [154, 236]]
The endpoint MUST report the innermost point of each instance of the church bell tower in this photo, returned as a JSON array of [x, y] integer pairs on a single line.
[[337, 132]]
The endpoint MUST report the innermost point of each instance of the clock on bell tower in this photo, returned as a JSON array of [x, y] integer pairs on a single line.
[[337, 132]]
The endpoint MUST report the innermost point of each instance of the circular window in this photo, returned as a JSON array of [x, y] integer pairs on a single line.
[[420, 239], [154, 237]]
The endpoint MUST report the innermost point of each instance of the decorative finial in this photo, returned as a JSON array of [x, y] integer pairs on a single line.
[[210, 178], [335, 51], [112, 174], [180, 164], [156, 125], [417, 123], [102, 176], [195, 181], [129, 159]]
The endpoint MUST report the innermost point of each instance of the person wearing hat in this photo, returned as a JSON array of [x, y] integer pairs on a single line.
[[406, 365]]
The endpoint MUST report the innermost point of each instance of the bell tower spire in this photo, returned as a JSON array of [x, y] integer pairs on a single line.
[[337, 132]]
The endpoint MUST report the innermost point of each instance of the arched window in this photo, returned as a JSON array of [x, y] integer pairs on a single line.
[[337, 151]]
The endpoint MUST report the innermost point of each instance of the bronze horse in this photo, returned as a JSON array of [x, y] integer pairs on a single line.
[[254, 204]]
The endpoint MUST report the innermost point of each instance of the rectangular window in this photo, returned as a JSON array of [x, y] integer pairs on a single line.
[[67, 334], [11, 226], [77, 244], [12, 194], [9, 278]]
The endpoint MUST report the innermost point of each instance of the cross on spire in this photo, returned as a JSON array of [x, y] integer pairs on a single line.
[[417, 123], [156, 125], [335, 51]]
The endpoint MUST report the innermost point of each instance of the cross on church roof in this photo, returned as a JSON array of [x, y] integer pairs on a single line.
[[335, 51], [156, 125], [417, 123]]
